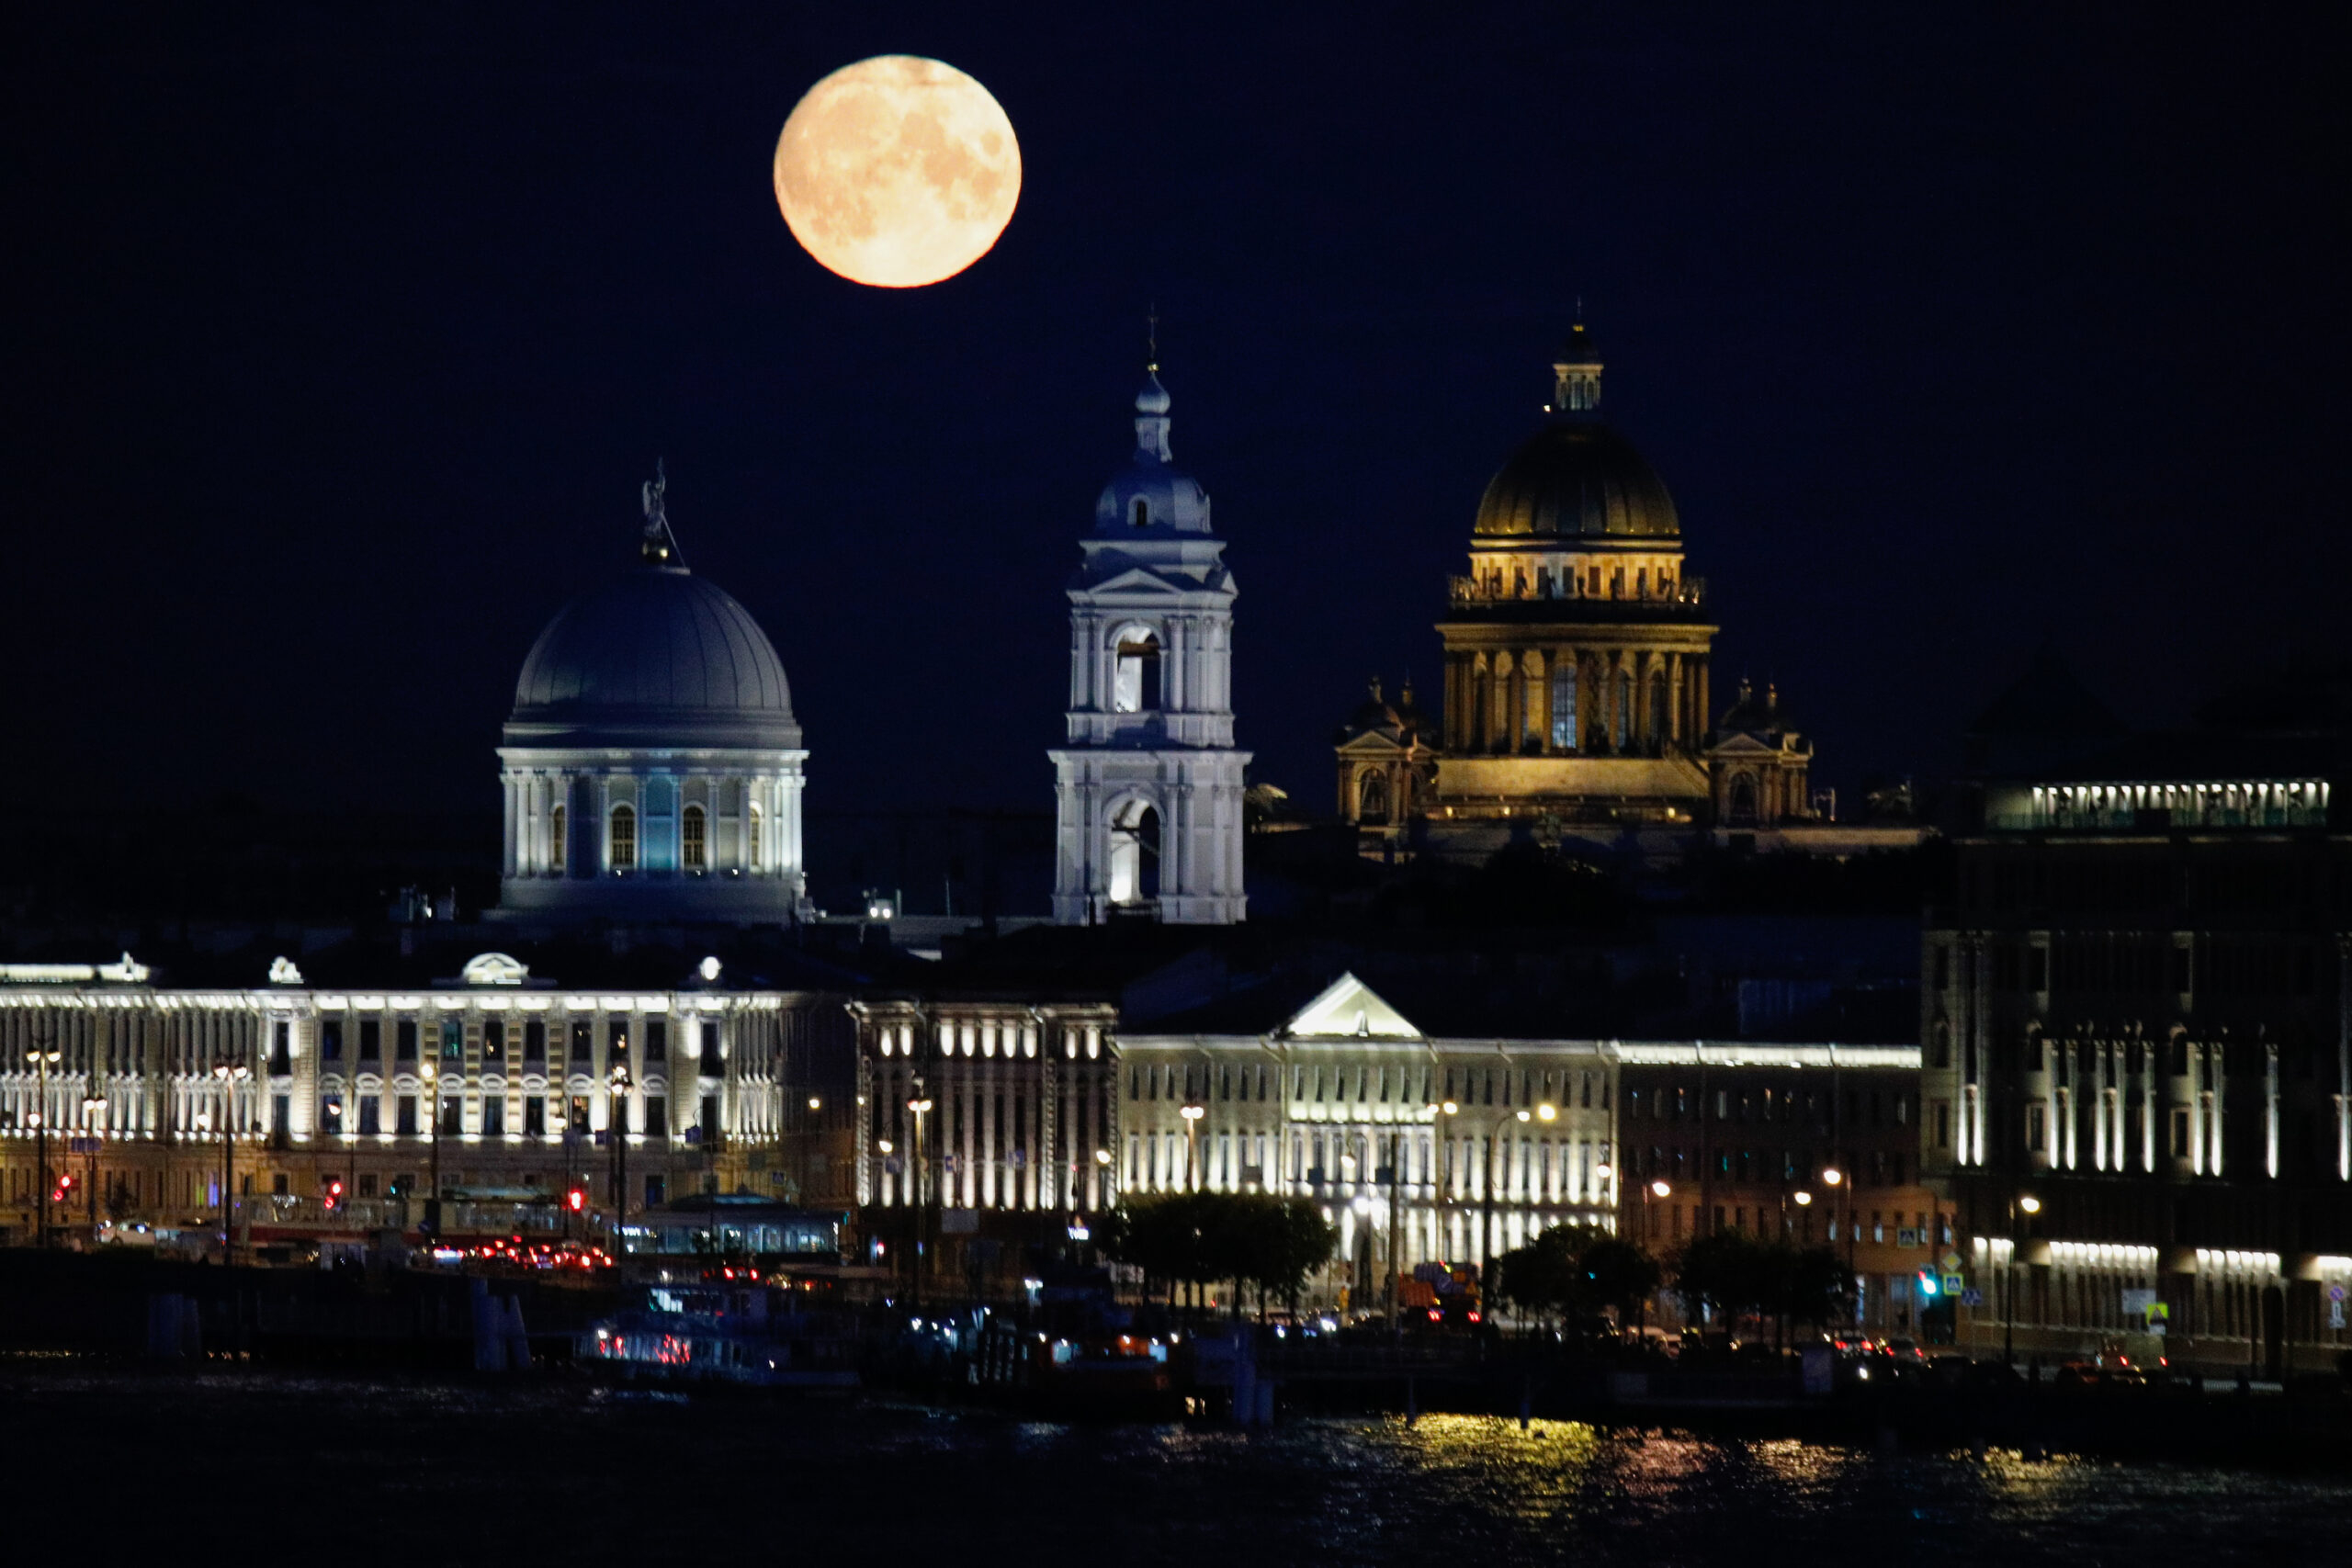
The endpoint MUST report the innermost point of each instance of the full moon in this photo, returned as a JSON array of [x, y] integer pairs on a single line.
[[898, 171]]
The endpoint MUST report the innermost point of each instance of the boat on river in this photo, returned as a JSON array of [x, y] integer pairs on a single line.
[[727, 1332]]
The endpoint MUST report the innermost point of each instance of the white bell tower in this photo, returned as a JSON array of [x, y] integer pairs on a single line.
[[1149, 786]]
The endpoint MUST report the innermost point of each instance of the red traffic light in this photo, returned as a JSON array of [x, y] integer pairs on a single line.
[[576, 1199]]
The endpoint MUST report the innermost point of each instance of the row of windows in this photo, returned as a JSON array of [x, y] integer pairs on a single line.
[[1875, 1167], [1872, 1107], [694, 838], [1192, 1083], [530, 1040], [542, 1115]]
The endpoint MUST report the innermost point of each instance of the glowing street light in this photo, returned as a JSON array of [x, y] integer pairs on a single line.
[[2027, 1204], [1192, 1115], [231, 1074]]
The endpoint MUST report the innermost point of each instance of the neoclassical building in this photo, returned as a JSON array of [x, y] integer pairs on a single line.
[[2137, 1019], [1149, 785], [1576, 647], [652, 767], [1577, 659], [492, 1088]]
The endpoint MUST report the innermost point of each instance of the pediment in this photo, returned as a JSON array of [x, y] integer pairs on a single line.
[[1349, 1010], [1139, 579]]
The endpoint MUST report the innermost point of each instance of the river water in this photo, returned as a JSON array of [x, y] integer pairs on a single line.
[[372, 1470]]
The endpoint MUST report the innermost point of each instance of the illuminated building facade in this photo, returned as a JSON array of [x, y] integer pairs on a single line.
[[1339, 1096], [1744, 1137], [1577, 664], [512, 1088], [652, 767], [1149, 785], [2137, 1023], [1018, 1096], [1324, 1089]]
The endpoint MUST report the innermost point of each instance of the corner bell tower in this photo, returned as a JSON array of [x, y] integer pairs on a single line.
[[1149, 785]]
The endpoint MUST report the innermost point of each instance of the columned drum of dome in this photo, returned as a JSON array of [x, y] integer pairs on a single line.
[[1576, 647], [652, 767], [1149, 786]]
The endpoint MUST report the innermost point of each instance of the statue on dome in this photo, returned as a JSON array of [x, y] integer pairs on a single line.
[[660, 544]]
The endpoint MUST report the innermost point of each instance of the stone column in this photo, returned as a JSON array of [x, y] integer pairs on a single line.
[[1675, 698]]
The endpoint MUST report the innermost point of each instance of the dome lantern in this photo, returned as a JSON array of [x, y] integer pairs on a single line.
[[1576, 376]]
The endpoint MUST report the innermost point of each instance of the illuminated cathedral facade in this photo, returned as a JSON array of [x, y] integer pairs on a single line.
[[1578, 655]]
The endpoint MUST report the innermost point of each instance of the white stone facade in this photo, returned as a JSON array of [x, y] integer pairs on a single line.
[[510, 1091], [1149, 786]]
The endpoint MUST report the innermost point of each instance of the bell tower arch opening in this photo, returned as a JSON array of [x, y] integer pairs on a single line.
[[1136, 671], [1135, 853]]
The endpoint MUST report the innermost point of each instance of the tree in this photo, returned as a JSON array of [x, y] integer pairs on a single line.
[[1738, 1276], [1195, 1237], [1614, 1274]]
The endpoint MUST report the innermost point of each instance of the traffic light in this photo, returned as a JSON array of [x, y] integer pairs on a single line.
[[335, 1195], [64, 1186], [1929, 1287], [576, 1200]]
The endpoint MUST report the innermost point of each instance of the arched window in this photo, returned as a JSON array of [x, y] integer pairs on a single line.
[[1372, 798], [1134, 684], [1143, 513], [753, 838], [1135, 853], [691, 854], [1742, 801], [559, 829], [624, 838]]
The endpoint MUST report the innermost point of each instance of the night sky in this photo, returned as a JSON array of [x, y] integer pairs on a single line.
[[341, 340]]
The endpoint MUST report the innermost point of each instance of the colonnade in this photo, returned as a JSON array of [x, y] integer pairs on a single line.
[[1567, 700]]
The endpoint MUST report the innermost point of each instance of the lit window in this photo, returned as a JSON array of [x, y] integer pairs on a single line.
[[555, 839], [690, 839], [1564, 707], [623, 857]]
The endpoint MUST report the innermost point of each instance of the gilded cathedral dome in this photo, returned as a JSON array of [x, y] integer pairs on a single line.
[[1577, 479]]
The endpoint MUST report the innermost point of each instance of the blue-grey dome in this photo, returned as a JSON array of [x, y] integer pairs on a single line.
[[1151, 495], [658, 657]]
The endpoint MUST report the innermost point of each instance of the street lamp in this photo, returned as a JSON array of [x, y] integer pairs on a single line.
[[1446, 1198], [431, 1074], [618, 1118], [231, 1074], [45, 1056], [1804, 1201], [1660, 1188], [1191, 1114], [919, 1104], [2026, 1203], [1486, 1211], [93, 1116]]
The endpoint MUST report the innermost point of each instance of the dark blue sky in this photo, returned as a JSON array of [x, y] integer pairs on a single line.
[[341, 339]]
